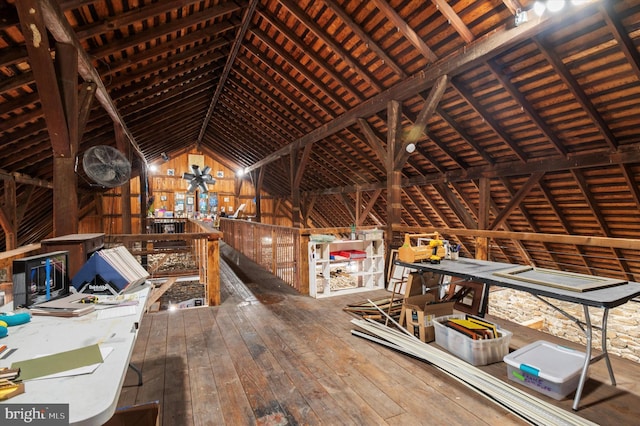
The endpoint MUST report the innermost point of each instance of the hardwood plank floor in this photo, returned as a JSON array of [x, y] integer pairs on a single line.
[[269, 356]]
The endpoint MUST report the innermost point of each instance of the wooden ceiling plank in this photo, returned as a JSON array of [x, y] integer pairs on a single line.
[[526, 105], [161, 31], [488, 119], [465, 136], [293, 38], [302, 121], [522, 250], [524, 190], [303, 95], [368, 157], [574, 87], [147, 62], [429, 199], [456, 22], [293, 63], [634, 187], [149, 11], [246, 21], [405, 29], [331, 44], [369, 206], [374, 141], [622, 37], [365, 38], [600, 219], [480, 50], [455, 205], [557, 211]]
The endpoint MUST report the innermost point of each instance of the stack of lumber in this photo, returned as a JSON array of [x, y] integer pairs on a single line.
[[367, 309]]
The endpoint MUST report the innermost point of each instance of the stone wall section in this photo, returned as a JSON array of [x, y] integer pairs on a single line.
[[623, 331]]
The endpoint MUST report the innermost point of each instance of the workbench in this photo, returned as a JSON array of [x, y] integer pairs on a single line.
[[605, 298], [93, 397]]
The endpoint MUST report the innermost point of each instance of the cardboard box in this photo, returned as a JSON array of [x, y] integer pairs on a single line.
[[420, 311]]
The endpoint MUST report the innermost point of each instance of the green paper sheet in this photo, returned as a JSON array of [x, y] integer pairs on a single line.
[[56, 363]]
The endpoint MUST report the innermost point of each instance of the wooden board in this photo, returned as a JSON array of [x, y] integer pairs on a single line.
[[559, 279]]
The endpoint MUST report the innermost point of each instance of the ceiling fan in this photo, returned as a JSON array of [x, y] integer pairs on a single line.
[[199, 178]]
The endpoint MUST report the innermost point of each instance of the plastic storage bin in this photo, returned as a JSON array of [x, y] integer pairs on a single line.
[[546, 367], [475, 352]]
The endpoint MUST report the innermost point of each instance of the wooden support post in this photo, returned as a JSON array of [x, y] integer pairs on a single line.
[[482, 243], [394, 177], [213, 271], [125, 190], [303, 268], [9, 215]]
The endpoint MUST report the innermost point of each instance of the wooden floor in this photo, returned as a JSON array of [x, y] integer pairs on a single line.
[[269, 356]]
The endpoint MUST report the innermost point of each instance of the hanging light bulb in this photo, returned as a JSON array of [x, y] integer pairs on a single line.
[[555, 5], [539, 8]]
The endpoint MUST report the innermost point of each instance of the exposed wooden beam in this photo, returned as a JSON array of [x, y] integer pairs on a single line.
[[489, 120], [526, 105], [246, 21], [368, 208], [630, 155], [622, 37], [334, 46], [59, 27], [583, 240], [405, 29], [9, 215], [517, 199], [364, 37], [479, 50], [32, 20], [420, 123], [455, 20], [574, 87]]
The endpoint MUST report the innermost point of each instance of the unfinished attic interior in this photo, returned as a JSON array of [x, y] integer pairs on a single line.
[[255, 138]]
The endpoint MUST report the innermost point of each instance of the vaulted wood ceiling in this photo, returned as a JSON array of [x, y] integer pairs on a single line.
[[548, 110]]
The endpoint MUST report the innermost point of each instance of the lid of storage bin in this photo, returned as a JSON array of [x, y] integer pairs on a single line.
[[547, 360]]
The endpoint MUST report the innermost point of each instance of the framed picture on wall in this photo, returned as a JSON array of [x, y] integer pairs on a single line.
[[171, 172], [220, 174]]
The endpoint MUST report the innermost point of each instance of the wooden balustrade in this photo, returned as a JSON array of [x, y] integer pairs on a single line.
[[200, 240]]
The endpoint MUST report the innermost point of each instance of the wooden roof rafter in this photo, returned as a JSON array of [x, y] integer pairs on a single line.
[[246, 21], [316, 60], [600, 220], [571, 83]]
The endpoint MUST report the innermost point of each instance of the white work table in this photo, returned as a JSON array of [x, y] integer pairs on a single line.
[[605, 298], [93, 397]]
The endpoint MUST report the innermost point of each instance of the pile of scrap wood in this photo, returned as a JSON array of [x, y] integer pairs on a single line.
[[367, 309]]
